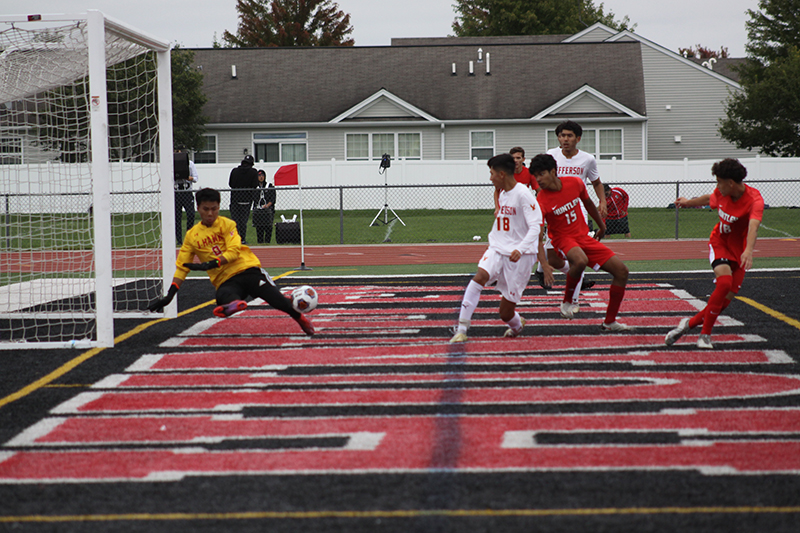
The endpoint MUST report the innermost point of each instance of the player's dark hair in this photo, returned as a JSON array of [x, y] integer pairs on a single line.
[[542, 163], [570, 125], [502, 163], [729, 169], [207, 195], [517, 150]]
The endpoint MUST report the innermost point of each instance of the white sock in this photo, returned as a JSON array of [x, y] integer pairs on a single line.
[[515, 323], [539, 267], [472, 295], [565, 268], [577, 291]]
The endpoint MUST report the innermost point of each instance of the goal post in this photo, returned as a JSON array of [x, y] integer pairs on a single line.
[[86, 167]]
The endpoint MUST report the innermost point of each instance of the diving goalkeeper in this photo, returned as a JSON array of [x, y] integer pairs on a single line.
[[232, 268]]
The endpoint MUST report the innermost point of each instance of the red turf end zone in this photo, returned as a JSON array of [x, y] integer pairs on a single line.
[[216, 410]]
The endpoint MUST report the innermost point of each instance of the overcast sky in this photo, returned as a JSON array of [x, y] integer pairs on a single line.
[[193, 23]]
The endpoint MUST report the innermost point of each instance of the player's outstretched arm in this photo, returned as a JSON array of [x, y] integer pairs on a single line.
[[208, 265], [698, 201], [158, 305]]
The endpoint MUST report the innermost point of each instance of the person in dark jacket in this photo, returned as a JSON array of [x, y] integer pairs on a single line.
[[243, 182], [264, 209]]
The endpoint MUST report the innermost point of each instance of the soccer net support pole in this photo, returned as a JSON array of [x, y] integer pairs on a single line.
[[167, 183], [101, 178]]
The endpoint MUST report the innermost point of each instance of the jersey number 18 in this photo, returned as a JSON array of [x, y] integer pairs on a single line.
[[505, 225]]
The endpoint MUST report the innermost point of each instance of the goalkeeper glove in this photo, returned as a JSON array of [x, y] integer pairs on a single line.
[[208, 265], [157, 306]]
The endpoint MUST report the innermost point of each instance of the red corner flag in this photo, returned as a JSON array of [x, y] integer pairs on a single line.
[[286, 175]]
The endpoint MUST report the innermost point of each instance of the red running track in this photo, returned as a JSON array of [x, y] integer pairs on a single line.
[[379, 254]]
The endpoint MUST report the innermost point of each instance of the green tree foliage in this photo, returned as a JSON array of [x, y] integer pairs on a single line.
[[289, 23], [188, 99], [766, 114], [477, 18]]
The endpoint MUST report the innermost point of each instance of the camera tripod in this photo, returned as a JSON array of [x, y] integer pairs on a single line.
[[386, 209]]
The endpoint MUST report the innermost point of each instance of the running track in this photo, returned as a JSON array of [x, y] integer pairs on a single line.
[[382, 254]]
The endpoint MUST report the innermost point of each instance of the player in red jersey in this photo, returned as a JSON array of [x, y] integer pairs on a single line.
[[560, 200], [740, 209]]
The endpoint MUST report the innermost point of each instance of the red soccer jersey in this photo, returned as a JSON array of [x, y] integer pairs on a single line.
[[561, 209], [734, 218], [525, 178], [617, 204]]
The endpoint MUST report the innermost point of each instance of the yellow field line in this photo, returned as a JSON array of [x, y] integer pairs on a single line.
[[771, 312], [85, 356], [411, 513]]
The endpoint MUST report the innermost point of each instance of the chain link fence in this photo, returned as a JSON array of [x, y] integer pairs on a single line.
[[372, 214], [410, 214]]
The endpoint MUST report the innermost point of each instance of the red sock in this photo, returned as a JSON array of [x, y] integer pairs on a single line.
[[615, 295], [716, 302], [571, 284], [697, 319]]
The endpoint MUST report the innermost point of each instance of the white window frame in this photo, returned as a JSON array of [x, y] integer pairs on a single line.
[[215, 151], [493, 146], [376, 157], [281, 139], [595, 150]]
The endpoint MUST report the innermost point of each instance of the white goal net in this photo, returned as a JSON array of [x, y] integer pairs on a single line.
[[85, 123]]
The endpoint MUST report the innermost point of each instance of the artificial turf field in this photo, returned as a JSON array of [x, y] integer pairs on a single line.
[[377, 423]]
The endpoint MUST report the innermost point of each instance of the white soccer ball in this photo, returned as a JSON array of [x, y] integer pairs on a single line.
[[305, 299], [476, 238]]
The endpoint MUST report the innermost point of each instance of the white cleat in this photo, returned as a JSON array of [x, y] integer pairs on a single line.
[[569, 310], [677, 333], [704, 342], [459, 337], [513, 333], [616, 327]]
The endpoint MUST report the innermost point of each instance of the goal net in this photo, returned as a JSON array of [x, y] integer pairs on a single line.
[[85, 122]]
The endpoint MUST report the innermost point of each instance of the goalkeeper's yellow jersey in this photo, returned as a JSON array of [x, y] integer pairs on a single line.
[[221, 239]]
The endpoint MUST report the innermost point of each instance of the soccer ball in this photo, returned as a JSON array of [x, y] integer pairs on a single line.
[[304, 299]]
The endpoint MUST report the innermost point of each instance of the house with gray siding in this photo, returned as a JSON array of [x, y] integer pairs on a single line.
[[462, 98]]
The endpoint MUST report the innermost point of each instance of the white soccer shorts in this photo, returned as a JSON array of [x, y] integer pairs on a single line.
[[512, 278]]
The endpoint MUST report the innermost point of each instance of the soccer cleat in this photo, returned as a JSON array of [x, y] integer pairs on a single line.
[[305, 324], [513, 333], [540, 277], [459, 337], [704, 342], [227, 310], [588, 284], [568, 310], [677, 333], [616, 327]]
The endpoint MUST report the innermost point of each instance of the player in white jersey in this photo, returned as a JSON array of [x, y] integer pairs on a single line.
[[582, 165], [514, 246]]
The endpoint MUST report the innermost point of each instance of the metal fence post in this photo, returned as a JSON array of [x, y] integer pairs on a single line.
[[8, 225], [341, 215], [677, 195]]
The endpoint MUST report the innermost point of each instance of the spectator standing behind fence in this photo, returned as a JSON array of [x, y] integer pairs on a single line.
[[264, 209], [243, 181], [185, 177], [617, 219]]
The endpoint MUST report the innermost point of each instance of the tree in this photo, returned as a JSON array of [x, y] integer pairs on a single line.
[[701, 52], [766, 114], [188, 99], [480, 18], [289, 23]]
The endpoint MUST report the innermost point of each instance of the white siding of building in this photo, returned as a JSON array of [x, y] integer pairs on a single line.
[[697, 102]]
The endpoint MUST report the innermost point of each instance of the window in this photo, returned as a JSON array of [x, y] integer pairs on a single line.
[[372, 146], [10, 150], [481, 144], [280, 147], [208, 152], [603, 144]]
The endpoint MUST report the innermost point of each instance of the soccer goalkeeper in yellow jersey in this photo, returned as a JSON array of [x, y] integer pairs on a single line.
[[233, 269]]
